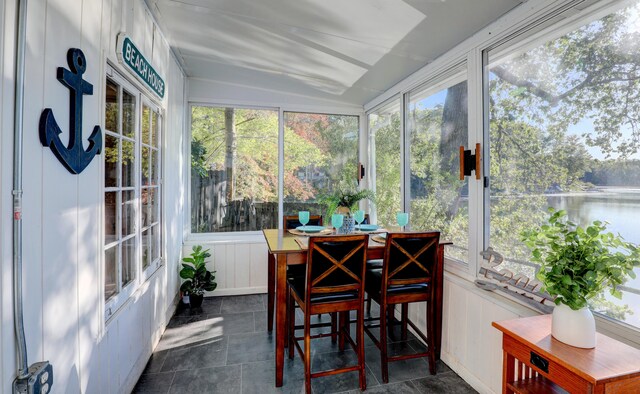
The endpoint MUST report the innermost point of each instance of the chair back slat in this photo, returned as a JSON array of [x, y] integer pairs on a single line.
[[336, 264], [410, 258], [291, 221]]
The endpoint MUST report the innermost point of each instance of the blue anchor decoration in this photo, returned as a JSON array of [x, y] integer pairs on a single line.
[[73, 157]]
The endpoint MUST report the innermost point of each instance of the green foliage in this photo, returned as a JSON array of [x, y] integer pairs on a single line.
[[576, 263], [345, 198], [197, 278], [199, 158], [385, 130]]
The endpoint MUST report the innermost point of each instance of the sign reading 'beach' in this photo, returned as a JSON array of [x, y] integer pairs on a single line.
[[130, 55]]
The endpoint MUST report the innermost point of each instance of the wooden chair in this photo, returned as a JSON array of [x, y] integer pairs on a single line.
[[408, 274], [292, 221], [334, 282], [289, 222]]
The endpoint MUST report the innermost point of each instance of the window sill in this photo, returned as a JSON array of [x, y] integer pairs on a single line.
[[604, 325]]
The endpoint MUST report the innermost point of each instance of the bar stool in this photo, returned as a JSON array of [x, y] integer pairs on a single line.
[[334, 282], [408, 274]]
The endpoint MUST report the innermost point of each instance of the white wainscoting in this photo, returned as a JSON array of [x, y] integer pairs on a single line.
[[240, 261], [470, 345]]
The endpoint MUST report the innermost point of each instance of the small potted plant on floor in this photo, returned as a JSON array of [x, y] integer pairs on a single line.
[[343, 201], [576, 265], [197, 278]]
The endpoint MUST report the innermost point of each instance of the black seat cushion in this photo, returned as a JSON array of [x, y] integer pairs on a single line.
[[297, 283], [374, 264], [373, 280], [299, 270]]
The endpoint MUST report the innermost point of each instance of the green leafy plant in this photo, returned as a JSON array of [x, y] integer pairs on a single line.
[[345, 198], [577, 264], [194, 270]]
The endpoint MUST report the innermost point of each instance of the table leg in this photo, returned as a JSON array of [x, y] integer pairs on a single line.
[[281, 306], [508, 371], [439, 289], [271, 289]]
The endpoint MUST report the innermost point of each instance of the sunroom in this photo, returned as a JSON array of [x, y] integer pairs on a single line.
[[135, 133]]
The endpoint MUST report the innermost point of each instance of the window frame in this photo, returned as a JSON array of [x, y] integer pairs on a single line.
[[155, 264], [256, 236], [566, 19], [125, 293]]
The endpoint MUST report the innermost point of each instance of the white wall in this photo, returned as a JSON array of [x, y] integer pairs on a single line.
[[63, 271], [240, 262]]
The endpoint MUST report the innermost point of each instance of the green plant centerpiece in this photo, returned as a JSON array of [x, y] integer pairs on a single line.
[[197, 278], [576, 265], [343, 201]]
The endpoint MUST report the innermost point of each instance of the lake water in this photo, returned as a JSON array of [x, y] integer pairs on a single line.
[[621, 208]]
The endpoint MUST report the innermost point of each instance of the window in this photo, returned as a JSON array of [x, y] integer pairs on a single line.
[[437, 127], [132, 189], [385, 162], [150, 185], [234, 169], [563, 132], [320, 156]]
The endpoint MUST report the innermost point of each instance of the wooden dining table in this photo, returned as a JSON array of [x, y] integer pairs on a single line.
[[285, 251]]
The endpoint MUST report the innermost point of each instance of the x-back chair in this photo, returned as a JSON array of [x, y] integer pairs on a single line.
[[334, 282], [409, 273]]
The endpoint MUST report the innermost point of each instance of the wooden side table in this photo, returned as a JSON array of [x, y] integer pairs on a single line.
[[535, 362]]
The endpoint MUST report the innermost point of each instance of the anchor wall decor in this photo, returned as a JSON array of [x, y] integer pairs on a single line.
[[73, 157]]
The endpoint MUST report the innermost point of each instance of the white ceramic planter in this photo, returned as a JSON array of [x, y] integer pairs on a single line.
[[575, 328]]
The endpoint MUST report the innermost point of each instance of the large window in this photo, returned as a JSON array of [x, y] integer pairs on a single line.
[[437, 127], [320, 157], [385, 162], [234, 169], [564, 133], [234, 165], [132, 240]]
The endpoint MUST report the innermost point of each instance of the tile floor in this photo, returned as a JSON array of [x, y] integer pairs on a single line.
[[224, 347]]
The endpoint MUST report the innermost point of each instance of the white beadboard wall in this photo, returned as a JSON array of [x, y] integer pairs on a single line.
[[62, 213], [240, 262], [470, 345]]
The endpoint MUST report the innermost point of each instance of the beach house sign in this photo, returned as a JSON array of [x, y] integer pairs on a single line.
[[131, 57]]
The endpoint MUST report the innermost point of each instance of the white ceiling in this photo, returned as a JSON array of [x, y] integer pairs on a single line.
[[344, 50]]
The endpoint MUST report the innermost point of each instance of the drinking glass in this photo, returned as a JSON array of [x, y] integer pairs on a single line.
[[358, 216], [337, 220], [403, 219], [303, 217]]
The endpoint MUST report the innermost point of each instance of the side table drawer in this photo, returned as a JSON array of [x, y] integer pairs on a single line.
[[556, 373]]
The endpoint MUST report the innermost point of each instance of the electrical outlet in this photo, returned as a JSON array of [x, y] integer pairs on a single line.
[[38, 381]]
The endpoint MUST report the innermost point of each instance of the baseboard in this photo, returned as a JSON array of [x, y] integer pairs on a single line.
[[464, 373], [238, 291]]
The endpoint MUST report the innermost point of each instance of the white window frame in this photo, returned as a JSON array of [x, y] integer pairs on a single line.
[[521, 42], [118, 300], [256, 236]]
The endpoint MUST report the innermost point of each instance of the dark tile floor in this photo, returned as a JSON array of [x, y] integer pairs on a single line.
[[224, 347]]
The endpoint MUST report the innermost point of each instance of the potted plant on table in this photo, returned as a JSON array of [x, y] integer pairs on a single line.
[[197, 278], [576, 265], [343, 201]]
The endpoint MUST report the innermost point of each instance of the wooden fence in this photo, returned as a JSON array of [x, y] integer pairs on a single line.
[[210, 211]]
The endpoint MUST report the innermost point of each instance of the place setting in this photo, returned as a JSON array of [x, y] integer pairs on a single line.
[[306, 229]]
